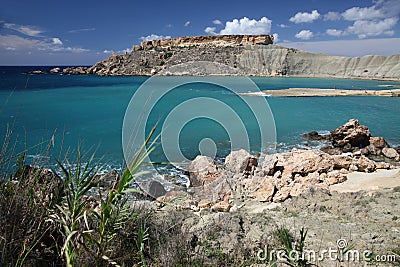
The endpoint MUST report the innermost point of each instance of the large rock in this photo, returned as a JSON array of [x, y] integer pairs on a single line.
[[241, 161], [341, 161], [378, 142], [152, 188], [202, 170], [364, 164], [315, 136], [268, 165], [391, 153], [259, 188], [351, 135], [304, 162]]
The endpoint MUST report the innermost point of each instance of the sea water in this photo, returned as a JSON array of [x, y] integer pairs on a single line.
[[51, 115]]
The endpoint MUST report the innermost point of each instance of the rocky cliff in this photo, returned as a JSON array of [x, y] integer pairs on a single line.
[[217, 40], [240, 55]]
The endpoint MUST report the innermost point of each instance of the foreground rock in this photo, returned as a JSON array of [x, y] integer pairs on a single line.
[[278, 177], [271, 178]]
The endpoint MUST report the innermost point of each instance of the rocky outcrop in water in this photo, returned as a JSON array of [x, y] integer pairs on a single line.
[[356, 139]]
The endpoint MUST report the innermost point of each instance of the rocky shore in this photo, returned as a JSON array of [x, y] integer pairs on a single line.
[[349, 190], [278, 177], [249, 55]]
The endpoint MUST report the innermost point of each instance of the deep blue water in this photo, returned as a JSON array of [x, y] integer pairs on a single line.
[[90, 110]]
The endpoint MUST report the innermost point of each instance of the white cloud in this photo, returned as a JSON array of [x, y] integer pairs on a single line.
[[210, 30], [332, 16], [363, 13], [152, 37], [305, 17], [304, 35], [82, 30], [57, 41], [283, 26], [378, 19], [350, 48], [217, 22], [276, 38], [14, 42], [335, 32], [187, 23], [27, 30], [364, 28], [127, 50], [247, 26], [380, 10]]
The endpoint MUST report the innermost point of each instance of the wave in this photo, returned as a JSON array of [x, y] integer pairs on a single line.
[[256, 94]]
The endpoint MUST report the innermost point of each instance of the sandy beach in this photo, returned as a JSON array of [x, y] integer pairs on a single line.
[[310, 92]]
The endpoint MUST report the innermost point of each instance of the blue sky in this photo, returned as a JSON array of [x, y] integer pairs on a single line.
[[83, 32]]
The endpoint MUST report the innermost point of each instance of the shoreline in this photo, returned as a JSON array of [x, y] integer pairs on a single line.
[[319, 92], [49, 72]]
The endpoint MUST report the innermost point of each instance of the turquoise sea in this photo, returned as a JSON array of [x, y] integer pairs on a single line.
[[89, 110]]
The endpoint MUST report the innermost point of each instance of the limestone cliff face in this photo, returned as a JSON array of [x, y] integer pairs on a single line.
[[277, 60], [240, 55], [218, 40]]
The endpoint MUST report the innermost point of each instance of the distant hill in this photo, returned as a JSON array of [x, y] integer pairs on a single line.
[[240, 55]]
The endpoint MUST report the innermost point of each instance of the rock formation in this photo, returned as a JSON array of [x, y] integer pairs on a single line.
[[217, 40], [277, 177], [356, 139], [238, 55]]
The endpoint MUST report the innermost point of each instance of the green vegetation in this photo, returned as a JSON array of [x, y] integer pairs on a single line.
[[293, 251]]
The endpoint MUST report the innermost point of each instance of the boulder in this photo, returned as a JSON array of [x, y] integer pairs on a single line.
[[152, 188], [108, 180], [241, 161], [217, 190], [269, 164], [335, 177], [378, 142], [304, 162], [282, 194], [171, 196], [299, 189], [259, 188], [391, 153], [351, 134], [315, 136], [202, 170], [341, 161], [222, 206], [364, 164], [331, 150], [55, 70]]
